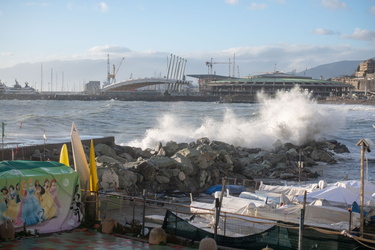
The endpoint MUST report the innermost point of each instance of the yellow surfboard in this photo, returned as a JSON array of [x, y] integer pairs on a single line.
[[79, 158], [94, 181], [94, 187], [64, 157]]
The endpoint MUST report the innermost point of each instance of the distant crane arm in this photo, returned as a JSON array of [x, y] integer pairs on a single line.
[[119, 65]]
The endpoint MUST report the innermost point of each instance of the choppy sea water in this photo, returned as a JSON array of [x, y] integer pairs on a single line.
[[289, 117]]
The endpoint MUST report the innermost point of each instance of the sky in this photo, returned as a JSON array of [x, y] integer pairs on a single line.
[[259, 35]]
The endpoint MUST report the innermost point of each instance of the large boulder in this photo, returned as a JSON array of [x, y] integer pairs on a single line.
[[108, 224], [204, 178], [207, 244], [190, 153], [127, 178], [148, 171], [157, 236], [108, 179], [108, 161], [138, 152], [162, 179], [184, 164], [252, 170], [323, 156], [171, 148], [162, 162], [103, 149], [7, 231]]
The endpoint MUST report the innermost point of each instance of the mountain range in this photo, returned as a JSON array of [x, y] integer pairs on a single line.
[[72, 75], [330, 70]]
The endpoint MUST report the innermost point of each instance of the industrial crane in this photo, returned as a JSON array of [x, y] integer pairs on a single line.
[[210, 64], [114, 72]]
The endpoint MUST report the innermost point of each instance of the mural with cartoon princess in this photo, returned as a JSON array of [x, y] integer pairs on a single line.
[[40, 195]]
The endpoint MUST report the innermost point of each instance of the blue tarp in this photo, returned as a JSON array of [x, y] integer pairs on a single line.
[[233, 189]]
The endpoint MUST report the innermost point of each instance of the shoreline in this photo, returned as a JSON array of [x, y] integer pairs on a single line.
[[347, 102], [165, 98]]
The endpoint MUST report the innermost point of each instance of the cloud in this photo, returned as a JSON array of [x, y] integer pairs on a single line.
[[102, 7], [286, 56], [257, 6], [6, 54], [320, 31], [359, 34], [232, 2], [333, 4], [109, 49]]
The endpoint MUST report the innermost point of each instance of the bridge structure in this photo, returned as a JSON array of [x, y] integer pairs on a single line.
[[172, 85], [174, 79]]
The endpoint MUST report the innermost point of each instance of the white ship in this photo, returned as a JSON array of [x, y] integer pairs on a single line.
[[16, 89]]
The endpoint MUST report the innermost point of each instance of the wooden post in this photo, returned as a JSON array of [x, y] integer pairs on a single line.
[[218, 208], [144, 212]]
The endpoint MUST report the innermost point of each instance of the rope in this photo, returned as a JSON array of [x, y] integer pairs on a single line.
[[346, 234]]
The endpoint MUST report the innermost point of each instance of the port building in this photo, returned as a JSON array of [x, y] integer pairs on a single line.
[[245, 89]]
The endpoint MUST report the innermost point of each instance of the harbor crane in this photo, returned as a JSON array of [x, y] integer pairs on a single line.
[[210, 64], [114, 72]]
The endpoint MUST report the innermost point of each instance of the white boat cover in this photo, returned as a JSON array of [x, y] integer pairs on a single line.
[[337, 196], [322, 216], [288, 190]]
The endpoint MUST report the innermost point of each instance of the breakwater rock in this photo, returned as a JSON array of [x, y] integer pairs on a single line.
[[194, 167]]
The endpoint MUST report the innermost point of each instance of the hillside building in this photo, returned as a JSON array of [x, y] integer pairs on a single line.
[[363, 79], [365, 69]]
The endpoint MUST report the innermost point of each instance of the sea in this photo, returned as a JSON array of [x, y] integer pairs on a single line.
[[291, 116]]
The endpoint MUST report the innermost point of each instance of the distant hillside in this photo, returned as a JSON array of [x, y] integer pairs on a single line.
[[330, 70]]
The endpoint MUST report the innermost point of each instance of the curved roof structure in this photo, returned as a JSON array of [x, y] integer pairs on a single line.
[[132, 84]]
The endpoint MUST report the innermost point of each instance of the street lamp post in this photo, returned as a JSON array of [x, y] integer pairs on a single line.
[[365, 145]]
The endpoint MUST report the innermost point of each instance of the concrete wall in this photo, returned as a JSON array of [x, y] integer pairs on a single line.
[[25, 152]]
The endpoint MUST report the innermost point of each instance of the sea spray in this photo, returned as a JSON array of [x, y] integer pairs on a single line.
[[293, 116], [290, 116]]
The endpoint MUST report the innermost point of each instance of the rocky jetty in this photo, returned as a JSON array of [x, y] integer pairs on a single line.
[[196, 166]]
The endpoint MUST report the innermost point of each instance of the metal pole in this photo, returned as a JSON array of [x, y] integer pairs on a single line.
[[172, 70], [133, 211], [217, 204], [178, 69], [183, 70], [178, 60], [225, 223], [363, 148], [169, 66]]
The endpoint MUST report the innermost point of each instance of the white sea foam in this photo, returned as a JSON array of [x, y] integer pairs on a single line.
[[291, 116]]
